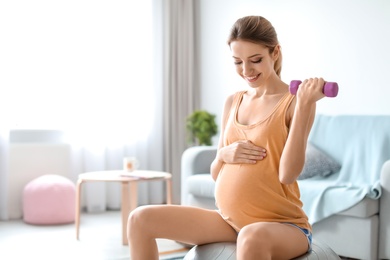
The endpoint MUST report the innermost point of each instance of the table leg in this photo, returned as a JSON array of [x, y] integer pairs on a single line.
[[169, 190], [129, 203], [78, 206], [133, 195]]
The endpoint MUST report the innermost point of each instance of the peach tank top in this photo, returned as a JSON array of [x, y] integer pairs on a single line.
[[249, 193]]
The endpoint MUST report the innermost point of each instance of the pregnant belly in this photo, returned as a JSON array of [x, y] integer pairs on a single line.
[[245, 194]]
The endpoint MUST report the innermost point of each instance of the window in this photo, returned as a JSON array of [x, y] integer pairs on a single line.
[[78, 65]]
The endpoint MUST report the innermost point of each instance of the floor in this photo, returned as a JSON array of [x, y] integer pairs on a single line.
[[100, 239]]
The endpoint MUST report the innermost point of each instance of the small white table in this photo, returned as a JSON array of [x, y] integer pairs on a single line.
[[129, 200]]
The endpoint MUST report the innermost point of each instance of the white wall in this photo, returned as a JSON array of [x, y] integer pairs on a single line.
[[344, 41]]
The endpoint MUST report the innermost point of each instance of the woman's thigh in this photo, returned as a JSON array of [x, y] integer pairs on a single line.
[[181, 223], [272, 239]]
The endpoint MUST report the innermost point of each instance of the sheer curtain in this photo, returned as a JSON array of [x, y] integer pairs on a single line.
[[86, 68], [180, 85], [3, 175]]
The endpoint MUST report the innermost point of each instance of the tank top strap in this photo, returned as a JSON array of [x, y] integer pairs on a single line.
[[236, 100]]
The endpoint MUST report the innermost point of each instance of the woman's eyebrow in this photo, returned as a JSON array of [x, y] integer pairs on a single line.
[[254, 55]]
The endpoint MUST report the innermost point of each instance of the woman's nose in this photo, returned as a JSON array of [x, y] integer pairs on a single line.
[[246, 69]]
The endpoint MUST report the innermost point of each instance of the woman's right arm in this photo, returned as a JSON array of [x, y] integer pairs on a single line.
[[218, 162]]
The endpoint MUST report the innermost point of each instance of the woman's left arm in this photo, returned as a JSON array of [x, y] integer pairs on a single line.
[[293, 156]]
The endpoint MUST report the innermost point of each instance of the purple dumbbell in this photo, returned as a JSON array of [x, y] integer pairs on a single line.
[[330, 88]]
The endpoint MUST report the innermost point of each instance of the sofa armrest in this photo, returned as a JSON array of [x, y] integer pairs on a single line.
[[195, 160], [384, 216]]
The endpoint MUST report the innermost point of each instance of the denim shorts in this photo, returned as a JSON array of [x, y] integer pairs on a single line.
[[306, 232]]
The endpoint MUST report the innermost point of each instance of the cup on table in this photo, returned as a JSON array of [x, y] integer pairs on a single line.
[[130, 164]]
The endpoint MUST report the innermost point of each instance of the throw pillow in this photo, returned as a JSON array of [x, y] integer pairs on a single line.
[[318, 163]]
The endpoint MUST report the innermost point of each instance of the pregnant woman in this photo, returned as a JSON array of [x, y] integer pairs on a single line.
[[261, 153]]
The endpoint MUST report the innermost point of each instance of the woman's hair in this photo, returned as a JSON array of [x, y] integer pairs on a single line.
[[257, 29]]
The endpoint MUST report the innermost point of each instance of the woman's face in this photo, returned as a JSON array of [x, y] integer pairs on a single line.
[[253, 62]]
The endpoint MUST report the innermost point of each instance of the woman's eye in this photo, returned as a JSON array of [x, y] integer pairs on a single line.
[[237, 62], [257, 61]]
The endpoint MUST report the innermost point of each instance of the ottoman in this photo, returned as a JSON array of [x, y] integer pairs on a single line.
[[49, 200], [227, 251]]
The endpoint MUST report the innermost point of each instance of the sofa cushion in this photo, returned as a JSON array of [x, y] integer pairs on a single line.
[[201, 185], [364, 209], [317, 163]]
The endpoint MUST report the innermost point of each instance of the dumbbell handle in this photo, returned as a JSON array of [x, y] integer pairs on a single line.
[[330, 88]]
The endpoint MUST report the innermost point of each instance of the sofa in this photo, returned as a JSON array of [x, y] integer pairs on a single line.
[[348, 206]]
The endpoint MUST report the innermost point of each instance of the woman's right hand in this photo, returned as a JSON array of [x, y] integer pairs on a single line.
[[243, 151]]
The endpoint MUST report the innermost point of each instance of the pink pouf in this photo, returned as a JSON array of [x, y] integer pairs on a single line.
[[49, 200]]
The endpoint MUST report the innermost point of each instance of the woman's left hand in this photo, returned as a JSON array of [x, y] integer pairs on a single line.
[[311, 90]]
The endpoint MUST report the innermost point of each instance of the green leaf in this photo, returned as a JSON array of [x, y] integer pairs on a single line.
[[201, 127]]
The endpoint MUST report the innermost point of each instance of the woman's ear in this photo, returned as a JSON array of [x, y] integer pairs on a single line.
[[276, 53]]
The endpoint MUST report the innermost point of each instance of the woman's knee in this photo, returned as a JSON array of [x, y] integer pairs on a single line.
[[254, 240], [138, 218], [258, 234]]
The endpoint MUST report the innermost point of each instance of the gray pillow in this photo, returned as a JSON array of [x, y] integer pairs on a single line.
[[318, 163]]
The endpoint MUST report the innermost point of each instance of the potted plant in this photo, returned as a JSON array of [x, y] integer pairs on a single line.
[[201, 127]]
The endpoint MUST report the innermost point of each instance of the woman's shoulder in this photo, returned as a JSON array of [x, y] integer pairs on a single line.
[[234, 96]]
